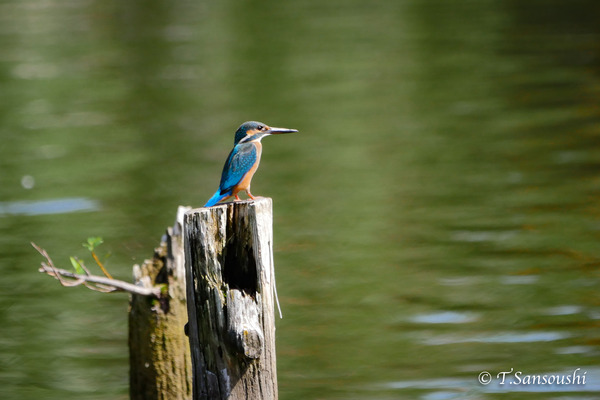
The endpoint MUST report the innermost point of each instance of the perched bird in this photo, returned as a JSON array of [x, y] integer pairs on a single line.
[[243, 160]]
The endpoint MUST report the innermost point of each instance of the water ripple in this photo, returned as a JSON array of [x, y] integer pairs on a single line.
[[44, 207], [444, 317], [508, 337]]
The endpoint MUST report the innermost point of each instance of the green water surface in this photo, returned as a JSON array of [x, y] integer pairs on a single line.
[[437, 216]]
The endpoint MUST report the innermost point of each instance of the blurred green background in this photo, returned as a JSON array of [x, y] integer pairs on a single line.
[[437, 216]]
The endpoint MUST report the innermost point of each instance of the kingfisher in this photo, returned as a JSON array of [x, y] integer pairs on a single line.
[[243, 160]]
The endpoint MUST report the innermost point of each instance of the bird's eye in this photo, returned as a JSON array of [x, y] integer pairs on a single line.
[[260, 127]]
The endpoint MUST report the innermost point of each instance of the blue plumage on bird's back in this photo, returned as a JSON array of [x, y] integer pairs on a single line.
[[241, 159]]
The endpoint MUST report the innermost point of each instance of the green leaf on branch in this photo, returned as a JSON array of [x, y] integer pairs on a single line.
[[92, 243], [77, 266]]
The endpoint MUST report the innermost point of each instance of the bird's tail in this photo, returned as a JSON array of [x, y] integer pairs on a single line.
[[217, 197]]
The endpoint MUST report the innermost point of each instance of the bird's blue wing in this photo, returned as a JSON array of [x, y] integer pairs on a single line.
[[240, 161]]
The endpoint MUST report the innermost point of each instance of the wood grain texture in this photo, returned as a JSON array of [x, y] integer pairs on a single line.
[[230, 275]]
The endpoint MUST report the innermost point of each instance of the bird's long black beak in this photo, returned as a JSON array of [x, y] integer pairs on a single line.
[[278, 131]]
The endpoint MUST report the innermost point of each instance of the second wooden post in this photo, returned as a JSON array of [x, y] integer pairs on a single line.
[[230, 286]]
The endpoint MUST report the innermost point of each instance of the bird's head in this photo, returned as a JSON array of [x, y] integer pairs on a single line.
[[254, 131]]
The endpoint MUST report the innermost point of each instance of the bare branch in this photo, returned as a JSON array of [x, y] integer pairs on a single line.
[[93, 282]]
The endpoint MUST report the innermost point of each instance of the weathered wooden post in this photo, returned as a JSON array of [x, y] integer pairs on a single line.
[[160, 367], [230, 285]]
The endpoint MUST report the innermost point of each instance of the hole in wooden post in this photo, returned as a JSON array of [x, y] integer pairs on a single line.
[[239, 267]]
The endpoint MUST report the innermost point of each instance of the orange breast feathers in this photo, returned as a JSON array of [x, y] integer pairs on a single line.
[[246, 180]]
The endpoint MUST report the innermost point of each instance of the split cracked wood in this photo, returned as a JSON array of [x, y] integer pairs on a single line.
[[230, 286]]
